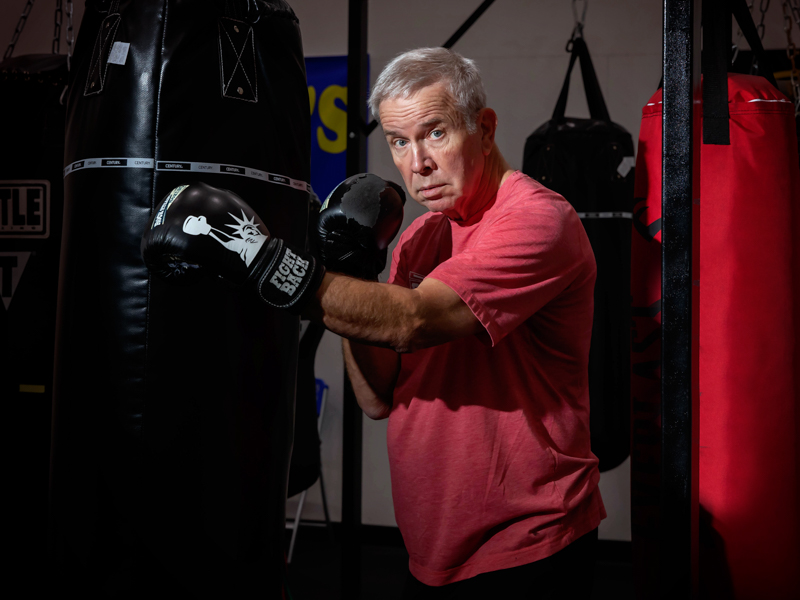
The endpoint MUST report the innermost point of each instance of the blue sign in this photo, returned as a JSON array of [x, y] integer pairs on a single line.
[[327, 94]]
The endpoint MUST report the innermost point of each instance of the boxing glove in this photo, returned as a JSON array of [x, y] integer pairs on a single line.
[[357, 222], [201, 229]]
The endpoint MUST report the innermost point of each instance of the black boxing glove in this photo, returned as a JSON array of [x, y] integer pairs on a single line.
[[201, 229], [357, 223]]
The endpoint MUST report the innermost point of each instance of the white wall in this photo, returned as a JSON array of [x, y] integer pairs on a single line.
[[519, 46]]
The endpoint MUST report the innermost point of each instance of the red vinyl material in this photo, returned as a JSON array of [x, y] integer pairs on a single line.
[[748, 364]]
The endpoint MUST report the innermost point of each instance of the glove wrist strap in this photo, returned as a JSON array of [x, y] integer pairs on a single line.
[[284, 278]]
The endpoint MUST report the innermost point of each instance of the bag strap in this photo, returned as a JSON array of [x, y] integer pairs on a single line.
[[594, 96], [242, 10], [716, 48]]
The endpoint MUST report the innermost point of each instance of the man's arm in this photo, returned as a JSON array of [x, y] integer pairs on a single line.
[[400, 319], [373, 372], [392, 316]]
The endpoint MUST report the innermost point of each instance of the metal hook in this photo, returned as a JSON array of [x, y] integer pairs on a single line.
[[253, 11], [580, 20]]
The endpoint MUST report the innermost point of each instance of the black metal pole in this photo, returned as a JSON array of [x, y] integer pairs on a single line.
[[356, 162], [680, 198], [467, 24]]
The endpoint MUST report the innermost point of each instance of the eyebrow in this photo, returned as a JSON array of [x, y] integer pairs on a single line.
[[423, 125]]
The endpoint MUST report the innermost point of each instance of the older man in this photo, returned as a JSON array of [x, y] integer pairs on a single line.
[[493, 479], [476, 350]]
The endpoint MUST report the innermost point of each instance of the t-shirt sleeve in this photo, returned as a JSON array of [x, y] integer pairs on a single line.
[[522, 261], [397, 272]]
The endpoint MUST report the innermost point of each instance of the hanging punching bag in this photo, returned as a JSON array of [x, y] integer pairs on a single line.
[[174, 405], [590, 163], [31, 204], [749, 287]]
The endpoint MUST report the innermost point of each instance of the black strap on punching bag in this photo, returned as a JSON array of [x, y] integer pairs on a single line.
[[716, 60], [594, 96]]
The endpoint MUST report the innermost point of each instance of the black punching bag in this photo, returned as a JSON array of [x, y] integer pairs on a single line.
[[31, 204], [174, 405]]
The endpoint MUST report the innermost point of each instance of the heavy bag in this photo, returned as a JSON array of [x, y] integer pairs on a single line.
[[748, 286], [590, 163], [306, 462], [174, 405], [31, 205], [749, 363]]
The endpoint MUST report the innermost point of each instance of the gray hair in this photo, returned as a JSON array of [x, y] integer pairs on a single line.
[[411, 71]]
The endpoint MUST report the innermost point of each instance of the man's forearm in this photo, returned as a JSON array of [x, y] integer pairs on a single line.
[[368, 312], [392, 316], [373, 373]]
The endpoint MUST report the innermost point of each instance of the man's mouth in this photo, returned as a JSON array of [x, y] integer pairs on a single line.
[[431, 190]]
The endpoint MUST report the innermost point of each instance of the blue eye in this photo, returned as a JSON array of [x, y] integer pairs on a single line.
[[400, 143], [437, 134]]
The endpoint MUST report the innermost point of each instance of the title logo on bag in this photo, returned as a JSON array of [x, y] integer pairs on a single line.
[[12, 265], [25, 209], [289, 275]]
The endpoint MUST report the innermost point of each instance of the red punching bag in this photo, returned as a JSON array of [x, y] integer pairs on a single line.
[[747, 271], [749, 376], [750, 283]]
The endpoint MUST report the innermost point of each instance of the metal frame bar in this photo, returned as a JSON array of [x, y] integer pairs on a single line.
[[356, 162], [680, 246]]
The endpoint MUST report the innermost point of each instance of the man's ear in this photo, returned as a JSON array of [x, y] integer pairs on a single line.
[[487, 123]]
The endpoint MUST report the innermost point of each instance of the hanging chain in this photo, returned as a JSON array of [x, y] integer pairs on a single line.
[[70, 33], [791, 52], [761, 28], [763, 6], [579, 16], [738, 40], [58, 18], [20, 26], [794, 7]]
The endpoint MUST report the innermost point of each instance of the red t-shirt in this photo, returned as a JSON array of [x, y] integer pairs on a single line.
[[489, 439]]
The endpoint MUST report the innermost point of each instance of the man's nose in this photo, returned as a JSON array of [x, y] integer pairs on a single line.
[[421, 161]]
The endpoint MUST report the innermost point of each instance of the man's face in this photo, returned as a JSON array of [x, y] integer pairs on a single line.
[[440, 162]]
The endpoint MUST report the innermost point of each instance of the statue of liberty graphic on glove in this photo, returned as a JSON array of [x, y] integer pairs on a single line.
[[246, 245], [187, 237]]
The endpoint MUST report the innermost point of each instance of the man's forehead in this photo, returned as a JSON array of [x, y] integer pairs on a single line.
[[428, 106]]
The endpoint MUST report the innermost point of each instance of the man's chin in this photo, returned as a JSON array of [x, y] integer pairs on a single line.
[[438, 204]]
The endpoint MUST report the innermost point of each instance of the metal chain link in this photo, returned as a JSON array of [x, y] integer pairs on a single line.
[[58, 18], [70, 33], [761, 28], [794, 6], [791, 52], [579, 20], [20, 26], [763, 6], [738, 40]]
